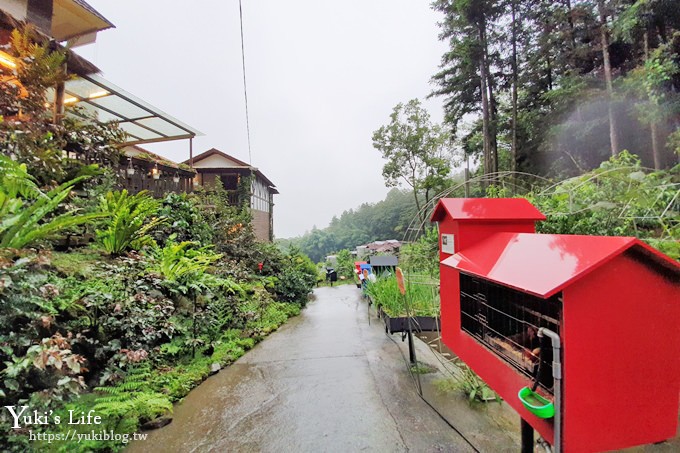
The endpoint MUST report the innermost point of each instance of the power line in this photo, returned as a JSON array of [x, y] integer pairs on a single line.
[[245, 88]]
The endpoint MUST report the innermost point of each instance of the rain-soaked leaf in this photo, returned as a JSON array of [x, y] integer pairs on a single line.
[[637, 175], [12, 384]]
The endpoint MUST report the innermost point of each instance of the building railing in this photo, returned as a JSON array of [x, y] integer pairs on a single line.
[[136, 175]]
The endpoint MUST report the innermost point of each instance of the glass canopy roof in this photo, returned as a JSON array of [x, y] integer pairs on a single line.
[[100, 99]]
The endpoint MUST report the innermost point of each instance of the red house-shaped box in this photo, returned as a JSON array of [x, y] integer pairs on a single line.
[[614, 301]]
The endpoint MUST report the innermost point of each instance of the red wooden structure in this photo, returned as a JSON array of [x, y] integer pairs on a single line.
[[614, 301]]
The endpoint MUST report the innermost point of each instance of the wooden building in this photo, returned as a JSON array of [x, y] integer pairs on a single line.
[[231, 171]]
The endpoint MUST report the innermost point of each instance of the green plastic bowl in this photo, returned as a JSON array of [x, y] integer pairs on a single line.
[[536, 404]]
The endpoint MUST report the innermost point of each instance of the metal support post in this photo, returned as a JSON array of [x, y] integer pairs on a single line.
[[527, 437], [411, 346]]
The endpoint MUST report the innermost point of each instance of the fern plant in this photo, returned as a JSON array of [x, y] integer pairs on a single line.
[[129, 402], [130, 220], [185, 267], [26, 212]]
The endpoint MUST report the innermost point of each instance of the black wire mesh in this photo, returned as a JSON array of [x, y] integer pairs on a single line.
[[507, 322]]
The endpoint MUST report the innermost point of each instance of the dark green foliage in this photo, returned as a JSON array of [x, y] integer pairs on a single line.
[[184, 219], [345, 267], [422, 256], [231, 225], [129, 221], [387, 219], [528, 79], [27, 214], [34, 356], [296, 280]]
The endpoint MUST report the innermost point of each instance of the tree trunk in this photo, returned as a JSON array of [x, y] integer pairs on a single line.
[[493, 118], [485, 108], [420, 214], [414, 184], [655, 145], [513, 146], [572, 35], [653, 127], [661, 29], [604, 35], [491, 102], [572, 58], [548, 63], [546, 52]]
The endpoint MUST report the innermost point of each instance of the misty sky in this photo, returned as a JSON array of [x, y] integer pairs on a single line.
[[322, 76]]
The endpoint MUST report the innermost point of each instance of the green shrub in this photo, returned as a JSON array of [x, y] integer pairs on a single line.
[[129, 221], [296, 279], [231, 225], [345, 267], [185, 266], [185, 220], [620, 198], [422, 255], [27, 215]]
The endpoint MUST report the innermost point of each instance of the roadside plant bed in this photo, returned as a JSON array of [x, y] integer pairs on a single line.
[[420, 303], [126, 327], [135, 352], [400, 324]]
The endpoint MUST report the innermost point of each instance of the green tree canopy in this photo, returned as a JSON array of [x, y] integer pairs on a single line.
[[417, 151]]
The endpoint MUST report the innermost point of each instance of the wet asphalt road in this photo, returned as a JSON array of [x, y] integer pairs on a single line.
[[325, 382]]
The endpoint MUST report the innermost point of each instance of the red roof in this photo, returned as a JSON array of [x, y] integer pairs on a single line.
[[483, 209], [544, 264]]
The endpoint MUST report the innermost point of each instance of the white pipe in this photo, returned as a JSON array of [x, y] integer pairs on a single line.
[[557, 376]]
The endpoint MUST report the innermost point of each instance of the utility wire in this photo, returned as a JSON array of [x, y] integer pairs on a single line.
[[441, 416], [245, 89]]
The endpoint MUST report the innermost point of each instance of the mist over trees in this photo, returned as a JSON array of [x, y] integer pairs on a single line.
[[556, 87]]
